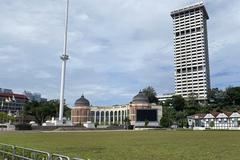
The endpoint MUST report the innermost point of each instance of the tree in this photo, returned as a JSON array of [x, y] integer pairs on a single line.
[[4, 118], [41, 111], [168, 118], [151, 94], [164, 122], [232, 96], [178, 102], [181, 119], [67, 112], [192, 106], [216, 96], [127, 122]]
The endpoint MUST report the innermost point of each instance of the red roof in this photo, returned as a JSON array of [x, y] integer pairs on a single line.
[[17, 96], [228, 113], [215, 114]]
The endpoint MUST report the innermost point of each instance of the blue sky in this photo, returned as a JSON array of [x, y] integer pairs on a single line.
[[116, 47]]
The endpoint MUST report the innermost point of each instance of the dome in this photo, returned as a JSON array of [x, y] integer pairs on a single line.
[[140, 98], [82, 102]]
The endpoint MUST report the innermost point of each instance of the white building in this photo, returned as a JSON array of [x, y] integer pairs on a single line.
[[163, 98], [219, 121], [83, 112], [109, 114], [191, 51], [234, 120]]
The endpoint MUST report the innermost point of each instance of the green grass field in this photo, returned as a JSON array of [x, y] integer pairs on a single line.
[[141, 145]]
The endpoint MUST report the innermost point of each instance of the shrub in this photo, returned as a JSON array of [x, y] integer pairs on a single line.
[[23, 126]]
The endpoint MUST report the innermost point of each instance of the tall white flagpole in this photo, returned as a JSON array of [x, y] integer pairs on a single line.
[[64, 59]]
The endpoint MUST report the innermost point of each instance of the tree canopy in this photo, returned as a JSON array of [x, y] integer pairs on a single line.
[[232, 95], [151, 94], [41, 111], [178, 102], [4, 118]]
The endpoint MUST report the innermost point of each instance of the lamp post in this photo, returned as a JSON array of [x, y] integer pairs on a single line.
[[169, 114], [64, 59]]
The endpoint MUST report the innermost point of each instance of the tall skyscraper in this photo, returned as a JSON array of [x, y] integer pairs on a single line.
[[191, 51]]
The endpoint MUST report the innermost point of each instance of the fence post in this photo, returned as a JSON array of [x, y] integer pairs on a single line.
[[13, 152], [49, 156]]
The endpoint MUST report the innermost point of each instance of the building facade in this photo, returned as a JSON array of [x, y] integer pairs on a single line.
[[163, 98], [226, 120], [83, 112], [191, 51], [12, 103]]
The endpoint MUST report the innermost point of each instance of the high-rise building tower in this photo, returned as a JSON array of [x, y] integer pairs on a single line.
[[191, 51]]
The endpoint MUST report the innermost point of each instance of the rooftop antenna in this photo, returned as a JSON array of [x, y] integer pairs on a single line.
[[64, 59]]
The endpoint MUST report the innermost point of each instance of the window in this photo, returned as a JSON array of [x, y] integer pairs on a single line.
[[193, 30]]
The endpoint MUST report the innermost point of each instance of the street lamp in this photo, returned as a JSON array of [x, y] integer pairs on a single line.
[[169, 109]]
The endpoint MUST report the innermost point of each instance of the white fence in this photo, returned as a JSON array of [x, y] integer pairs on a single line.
[[11, 152]]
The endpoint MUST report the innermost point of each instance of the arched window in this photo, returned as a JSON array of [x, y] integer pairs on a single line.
[[97, 116], [92, 116], [107, 116], [119, 116], [111, 116], [115, 116], [102, 116]]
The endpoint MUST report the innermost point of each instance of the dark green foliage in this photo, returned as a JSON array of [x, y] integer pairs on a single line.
[[216, 96], [168, 118], [164, 122], [5, 118], [178, 102], [127, 122], [41, 111], [151, 94], [232, 96], [23, 126], [181, 119]]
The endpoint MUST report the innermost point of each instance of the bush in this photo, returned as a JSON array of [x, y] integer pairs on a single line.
[[23, 126]]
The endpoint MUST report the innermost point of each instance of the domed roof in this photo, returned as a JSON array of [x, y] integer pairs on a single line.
[[82, 101], [140, 98]]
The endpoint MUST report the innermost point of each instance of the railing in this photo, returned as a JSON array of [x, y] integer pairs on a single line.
[[11, 152]]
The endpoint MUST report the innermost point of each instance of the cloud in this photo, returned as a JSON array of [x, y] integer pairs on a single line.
[[116, 48]]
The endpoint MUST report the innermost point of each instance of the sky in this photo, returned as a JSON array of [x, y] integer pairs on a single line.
[[116, 47]]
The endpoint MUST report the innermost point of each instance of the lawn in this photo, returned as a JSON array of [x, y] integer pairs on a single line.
[[133, 145]]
